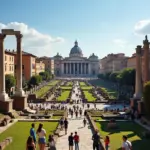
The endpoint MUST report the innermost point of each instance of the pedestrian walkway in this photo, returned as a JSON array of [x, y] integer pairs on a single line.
[[76, 124], [84, 133]]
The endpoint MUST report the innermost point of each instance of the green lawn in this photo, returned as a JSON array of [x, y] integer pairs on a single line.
[[56, 117], [105, 85], [89, 96], [20, 132], [64, 96], [54, 82], [86, 87], [40, 93], [131, 129], [69, 84], [66, 87], [83, 84]]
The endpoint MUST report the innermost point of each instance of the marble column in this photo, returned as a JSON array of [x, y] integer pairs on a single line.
[[84, 68], [68, 68], [3, 94], [78, 68], [81, 68], [146, 59], [138, 83], [89, 67], [74, 69], [19, 90]]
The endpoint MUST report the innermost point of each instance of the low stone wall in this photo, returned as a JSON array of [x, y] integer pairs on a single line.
[[5, 142], [93, 128]]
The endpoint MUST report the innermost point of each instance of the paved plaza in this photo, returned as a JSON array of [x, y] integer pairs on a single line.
[[76, 124]]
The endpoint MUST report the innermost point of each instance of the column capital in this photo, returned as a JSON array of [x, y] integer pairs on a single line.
[[139, 50], [2, 37], [19, 36]]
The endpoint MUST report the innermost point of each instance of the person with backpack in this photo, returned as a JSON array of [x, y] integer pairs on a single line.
[[96, 141], [76, 141], [126, 145]]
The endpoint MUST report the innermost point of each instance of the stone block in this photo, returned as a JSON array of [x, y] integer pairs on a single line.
[[19, 103], [6, 106]]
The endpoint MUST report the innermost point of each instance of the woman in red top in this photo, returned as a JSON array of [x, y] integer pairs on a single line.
[[107, 141]]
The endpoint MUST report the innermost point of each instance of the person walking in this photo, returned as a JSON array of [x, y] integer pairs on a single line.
[[30, 145], [42, 137], [51, 143], [33, 133], [126, 145], [84, 122], [62, 123], [66, 125], [107, 141], [70, 140], [76, 141], [96, 141]]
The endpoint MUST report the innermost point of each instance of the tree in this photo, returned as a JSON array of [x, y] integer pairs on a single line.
[[146, 97], [10, 82], [113, 76], [45, 75], [35, 80]]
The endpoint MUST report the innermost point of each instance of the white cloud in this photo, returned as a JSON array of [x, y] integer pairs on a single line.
[[33, 41], [142, 27], [120, 42]]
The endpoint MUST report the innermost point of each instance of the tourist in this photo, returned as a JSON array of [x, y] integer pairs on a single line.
[[66, 125], [41, 134], [96, 141], [70, 140], [126, 145], [76, 141], [84, 122], [30, 145], [107, 141], [76, 113], [51, 142], [71, 113], [33, 133], [85, 113], [80, 112], [62, 123]]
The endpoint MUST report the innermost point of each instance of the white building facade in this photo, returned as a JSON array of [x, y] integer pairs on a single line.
[[76, 64]]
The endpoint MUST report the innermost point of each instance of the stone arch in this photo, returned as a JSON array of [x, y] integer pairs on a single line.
[[19, 92]]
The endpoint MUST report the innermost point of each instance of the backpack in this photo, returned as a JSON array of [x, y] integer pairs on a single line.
[[129, 146]]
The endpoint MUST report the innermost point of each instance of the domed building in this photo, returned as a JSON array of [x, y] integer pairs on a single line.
[[76, 64]]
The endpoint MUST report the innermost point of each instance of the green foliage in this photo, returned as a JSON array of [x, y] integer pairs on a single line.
[[35, 80], [10, 82], [45, 75], [124, 77], [113, 76], [146, 96]]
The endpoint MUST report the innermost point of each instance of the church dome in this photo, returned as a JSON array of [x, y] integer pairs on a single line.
[[76, 50], [93, 57]]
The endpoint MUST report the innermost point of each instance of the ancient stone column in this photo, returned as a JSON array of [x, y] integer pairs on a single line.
[[74, 71], [3, 95], [146, 59], [81, 69], [138, 83], [70, 67], [19, 90]]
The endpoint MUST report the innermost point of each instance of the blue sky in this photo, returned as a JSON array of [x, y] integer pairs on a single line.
[[100, 26]]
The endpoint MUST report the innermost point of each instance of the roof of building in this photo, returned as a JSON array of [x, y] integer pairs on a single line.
[[76, 49]]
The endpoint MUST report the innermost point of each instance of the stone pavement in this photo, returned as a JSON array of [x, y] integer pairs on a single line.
[[84, 133], [76, 124]]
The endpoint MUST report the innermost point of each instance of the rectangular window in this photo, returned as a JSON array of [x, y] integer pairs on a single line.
[[10, 58], [5, 58], [22, 66], [9, 68], [15, 67], [5, 67]]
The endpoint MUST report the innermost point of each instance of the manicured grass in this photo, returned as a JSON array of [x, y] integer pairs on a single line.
[[56, 117], [83, 84], [69, 84], [64, 96], [58, 112], [40, 93], [54, 82], [131, 129], [106, 85], [86, 87], [89, 96], [66, 87], [20, 132]]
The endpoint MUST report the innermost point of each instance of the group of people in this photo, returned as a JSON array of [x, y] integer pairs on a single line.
[[41, 133]]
